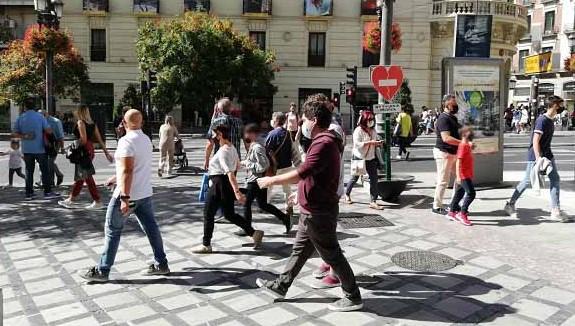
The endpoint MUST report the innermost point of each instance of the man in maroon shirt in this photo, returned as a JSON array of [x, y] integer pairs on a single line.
[[318, 180]]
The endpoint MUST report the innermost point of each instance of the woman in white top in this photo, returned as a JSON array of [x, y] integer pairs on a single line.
[[223, 190], [364, 158], [292, 123], [168, 133]]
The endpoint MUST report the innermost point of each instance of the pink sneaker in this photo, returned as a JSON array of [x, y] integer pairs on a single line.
[[322, 271], [462, 218], [452, 216], [330, 281]]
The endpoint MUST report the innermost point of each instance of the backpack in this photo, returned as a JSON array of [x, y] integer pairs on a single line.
[[273, 168]]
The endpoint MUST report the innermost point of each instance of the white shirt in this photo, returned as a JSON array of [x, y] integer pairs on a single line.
[[15, 159], [360, 137], [138, 146], [225, 160]]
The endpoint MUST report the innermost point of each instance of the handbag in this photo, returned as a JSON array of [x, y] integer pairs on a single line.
[[397, 130], [272, 169], [357, 166], [77, 154], [204, 188]]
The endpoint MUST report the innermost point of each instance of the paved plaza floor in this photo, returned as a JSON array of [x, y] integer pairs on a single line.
[[513, 271]]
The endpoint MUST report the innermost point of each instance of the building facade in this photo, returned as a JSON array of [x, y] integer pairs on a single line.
[[542, 51], [314, 41]]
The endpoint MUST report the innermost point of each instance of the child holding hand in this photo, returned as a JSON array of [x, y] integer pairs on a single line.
[[14, 161], [464, 188]]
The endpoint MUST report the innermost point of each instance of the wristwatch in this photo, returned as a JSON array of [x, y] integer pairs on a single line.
[[124, 197]]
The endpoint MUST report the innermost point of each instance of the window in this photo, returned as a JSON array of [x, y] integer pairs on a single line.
[[259, 38], [549, 22], [522, 55], [547, 49], [98, 45], [370, 58], [316, 50], [258, 7], [529, 25], [197, 5], [95, 5], [147, 6], [369, 7]]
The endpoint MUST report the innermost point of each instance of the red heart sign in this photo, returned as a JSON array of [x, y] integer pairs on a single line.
[[387, 80]]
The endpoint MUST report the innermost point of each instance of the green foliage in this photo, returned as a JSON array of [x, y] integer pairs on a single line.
[[22, 65], [199, 58], [404, 95], [132, 97]]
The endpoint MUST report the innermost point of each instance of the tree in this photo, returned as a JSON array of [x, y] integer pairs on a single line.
[[404, 95], [22, 65], [199, 58], [132, 97]]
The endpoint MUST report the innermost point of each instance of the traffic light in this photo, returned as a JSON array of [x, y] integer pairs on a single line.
[[335, 100], [341, 88], [152, 80], [350, 95], [351, 85]]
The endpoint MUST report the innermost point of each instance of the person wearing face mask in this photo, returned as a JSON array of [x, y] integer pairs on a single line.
[[445, 151], [540, 149], [363, 157], [317, 196], [223, 190], [256, 164]]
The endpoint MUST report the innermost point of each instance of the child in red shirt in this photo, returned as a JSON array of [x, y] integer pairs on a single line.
[[464, 183]]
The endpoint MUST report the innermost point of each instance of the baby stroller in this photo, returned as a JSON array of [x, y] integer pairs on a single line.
[[180, 154]]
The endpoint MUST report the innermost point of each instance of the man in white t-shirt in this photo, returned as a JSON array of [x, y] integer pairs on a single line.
[[133, 193]]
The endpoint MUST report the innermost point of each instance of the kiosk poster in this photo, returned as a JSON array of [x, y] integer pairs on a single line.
[[476, 88], [473, 36]]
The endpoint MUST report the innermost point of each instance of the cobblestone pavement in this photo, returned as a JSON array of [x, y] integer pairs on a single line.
[[43, 247]]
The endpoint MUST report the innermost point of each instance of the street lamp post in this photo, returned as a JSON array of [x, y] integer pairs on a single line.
[[49, 14], [385, 13]]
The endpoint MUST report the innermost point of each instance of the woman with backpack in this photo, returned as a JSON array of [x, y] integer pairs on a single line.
[[364, 159], [86, 133]]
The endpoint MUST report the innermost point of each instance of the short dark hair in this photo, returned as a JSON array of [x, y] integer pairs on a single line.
[[553, 99], [318, 107], [252, 128], [224, 130], [29, 103]]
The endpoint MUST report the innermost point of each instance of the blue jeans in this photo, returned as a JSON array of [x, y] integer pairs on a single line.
[[30, 162], [554, 185], [144, 211]]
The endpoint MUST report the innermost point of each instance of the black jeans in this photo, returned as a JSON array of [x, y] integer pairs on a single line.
[[371, 168], [30, 162], [11, 172], [402, 142], [55, 169], [465, 191], [221, 195], [254, 192], [317, 232]]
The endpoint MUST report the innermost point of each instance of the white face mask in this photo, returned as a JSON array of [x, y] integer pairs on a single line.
[[371, 124], [306, 130]]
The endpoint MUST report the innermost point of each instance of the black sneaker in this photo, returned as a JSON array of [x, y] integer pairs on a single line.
[[158, 270], [59, 181], [272, 288], [51, 195], [345, 304], [439, 211], [94, 275], [407, 156], [30, 197], [222, 220]]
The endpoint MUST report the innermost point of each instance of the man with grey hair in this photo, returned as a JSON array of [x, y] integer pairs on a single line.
[[279, 146], [222, 117], [444, 153]]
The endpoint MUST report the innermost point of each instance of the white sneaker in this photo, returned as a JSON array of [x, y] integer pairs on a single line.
[[398, 157], [95, 205], [510, 210], [558, 216], [66, 203]]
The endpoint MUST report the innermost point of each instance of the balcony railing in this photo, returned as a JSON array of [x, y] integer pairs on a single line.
[[197, 5], [449, 8], [258, 7]]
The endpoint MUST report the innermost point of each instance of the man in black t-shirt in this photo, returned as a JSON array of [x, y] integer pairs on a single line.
[[539, 149], [444, 153]]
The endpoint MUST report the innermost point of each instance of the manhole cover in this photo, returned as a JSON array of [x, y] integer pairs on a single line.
[[424, 261], [359, 221]]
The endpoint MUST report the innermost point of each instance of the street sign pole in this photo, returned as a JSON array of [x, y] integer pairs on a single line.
[[386, 18]]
